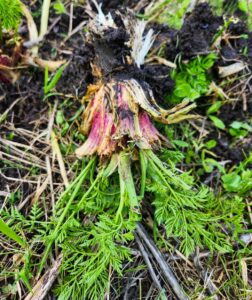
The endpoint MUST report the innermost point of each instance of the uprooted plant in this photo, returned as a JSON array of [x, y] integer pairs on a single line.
[[97, 214], [125, 167]]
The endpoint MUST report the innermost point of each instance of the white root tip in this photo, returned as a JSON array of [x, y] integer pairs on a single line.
[[141, 45]]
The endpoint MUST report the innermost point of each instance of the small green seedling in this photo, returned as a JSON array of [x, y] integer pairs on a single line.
[[59, 7], [239, 180], [217, 122], [50, 83], [212, 110], [239, 129], [10, 233], [191, 79]]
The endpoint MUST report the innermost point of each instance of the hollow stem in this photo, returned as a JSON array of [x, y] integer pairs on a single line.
[[153, 158], [127, 186], [143, 164], [44, 18]]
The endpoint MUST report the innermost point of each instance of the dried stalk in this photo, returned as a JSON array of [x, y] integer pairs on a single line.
[[148, 263], [169, 276], [45, 283]]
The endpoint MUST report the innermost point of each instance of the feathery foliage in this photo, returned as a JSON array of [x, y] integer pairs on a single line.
[[89, 253], [10, 14], [194, 216]]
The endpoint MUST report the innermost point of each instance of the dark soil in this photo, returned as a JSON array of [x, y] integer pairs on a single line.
[[196, 34], [233, 49], [227, 148], [196, 37], [107, 5], [250, 48]]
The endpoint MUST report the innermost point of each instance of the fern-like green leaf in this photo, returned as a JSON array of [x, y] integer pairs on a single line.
[[10, 14], [193, 215]]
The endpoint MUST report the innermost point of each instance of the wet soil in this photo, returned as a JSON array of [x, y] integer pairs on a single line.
[[196, 34], [228, 148], [107, 5]]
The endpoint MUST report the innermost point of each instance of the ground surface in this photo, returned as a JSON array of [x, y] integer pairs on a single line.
[[31, 173]]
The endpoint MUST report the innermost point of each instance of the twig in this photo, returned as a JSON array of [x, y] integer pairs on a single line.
[[71, 19], [231, 69], [148, 263], [45, 283], [141, 4], [30, 163], [50, 179], [205, 277], [56, 149], [171, 279], [4, 115], [191, 6], [4, 194], [161, 61], [32, 28], [75, 30], [40, 189], [150, 292], [48, 164]]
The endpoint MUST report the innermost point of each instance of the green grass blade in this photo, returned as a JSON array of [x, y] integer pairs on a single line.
[[10, 233]]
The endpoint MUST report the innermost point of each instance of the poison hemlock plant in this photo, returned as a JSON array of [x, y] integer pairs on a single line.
[[194, 216], [98, 212], [33, 231], [88, 271]]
